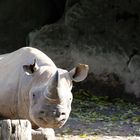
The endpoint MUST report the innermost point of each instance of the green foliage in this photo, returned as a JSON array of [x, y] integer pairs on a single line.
[[83, 135], [93, 108], [95, 117]]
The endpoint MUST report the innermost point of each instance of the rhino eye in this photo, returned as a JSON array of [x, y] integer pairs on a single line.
[[33, 95]]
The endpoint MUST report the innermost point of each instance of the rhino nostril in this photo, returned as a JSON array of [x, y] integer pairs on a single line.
[[63, 113], [59, 114]]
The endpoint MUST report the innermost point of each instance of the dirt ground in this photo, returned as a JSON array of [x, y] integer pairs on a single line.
[[97, 118], [100, 130]]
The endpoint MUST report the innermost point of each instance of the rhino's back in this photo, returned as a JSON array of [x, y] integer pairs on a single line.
[[24, 55], [12, 64]]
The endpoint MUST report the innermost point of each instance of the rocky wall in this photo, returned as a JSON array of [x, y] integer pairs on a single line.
[[103, 34], [19, 17]]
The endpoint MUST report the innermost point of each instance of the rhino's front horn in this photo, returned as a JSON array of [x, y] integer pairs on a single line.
[[52, 93]]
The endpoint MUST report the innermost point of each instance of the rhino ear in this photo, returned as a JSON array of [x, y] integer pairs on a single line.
[[79, 73], [30, 69]]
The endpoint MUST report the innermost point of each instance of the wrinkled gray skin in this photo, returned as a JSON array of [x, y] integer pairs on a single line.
[[33, 88]]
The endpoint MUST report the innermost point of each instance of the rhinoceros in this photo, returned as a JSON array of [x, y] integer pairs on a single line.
[[33, 88]]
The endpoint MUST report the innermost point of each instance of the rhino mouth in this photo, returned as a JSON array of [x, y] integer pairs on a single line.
[[61, 123], [47, 123]]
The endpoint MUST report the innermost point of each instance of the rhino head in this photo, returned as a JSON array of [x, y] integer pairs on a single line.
[[50, 95]]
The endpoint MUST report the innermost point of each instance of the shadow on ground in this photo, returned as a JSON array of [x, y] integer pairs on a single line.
[[95, 117]]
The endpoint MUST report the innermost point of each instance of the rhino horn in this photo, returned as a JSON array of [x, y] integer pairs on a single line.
[[52, 93]]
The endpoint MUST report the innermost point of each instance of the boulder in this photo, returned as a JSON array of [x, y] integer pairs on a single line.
[[43, 134], [103, 34]]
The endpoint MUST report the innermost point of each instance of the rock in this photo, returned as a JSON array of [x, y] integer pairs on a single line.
[[103, 34], [43, 134], [21, 129], [15, 129]]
